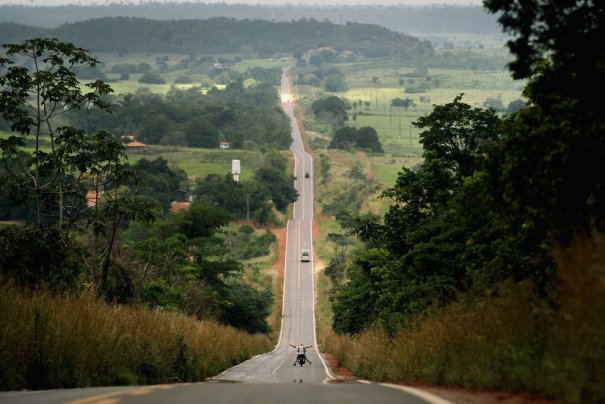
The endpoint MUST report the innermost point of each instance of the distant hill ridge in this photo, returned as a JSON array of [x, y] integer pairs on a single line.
[[406, 19], [223, 35]]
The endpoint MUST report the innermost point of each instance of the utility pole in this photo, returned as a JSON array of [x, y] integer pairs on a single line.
[[400, 123], [247, 207]]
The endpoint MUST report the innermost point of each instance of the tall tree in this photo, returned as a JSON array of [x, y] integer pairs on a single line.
[[552, 153], [455, 132], [32, 99], [66, 161]]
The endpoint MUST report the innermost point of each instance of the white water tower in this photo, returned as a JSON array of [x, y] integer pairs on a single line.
[[235, 170]]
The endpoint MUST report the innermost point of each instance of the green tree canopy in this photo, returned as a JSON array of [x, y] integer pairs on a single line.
[[365, 138], [332, 105]]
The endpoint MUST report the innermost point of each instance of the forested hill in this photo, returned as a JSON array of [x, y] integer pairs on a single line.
[[223, 35], [435, 18]]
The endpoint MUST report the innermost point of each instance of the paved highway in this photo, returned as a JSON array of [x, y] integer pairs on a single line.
[[268, 378], [298, 324]]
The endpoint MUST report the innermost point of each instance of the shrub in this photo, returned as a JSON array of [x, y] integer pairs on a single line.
[[509, 339], [152, 78], [75, 340], [183, 80], [35, 256]]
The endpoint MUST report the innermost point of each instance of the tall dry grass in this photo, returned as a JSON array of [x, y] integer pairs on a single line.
[[71, 341], [511, 341]]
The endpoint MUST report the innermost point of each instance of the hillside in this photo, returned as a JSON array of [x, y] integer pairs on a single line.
[[407, 19], [224, 35]]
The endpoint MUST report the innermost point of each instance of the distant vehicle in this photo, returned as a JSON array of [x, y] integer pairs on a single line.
[[305, 256], [306, 174]]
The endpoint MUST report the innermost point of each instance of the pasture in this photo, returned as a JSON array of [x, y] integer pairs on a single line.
[[371, 86], [198, 163], [171, 72]]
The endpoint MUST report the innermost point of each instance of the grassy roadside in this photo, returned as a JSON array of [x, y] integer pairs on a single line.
[[70, 341], [508, 341], [276, 274]]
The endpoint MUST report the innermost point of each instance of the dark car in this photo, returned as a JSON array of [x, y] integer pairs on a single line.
[[307, 174]]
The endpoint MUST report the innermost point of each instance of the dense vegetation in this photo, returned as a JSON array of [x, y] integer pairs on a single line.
[[248, 117], [157, 183], [223, 35], [94, 224], [75, 340], [255, 198], [502, 219], [363, 138], [334, 111]]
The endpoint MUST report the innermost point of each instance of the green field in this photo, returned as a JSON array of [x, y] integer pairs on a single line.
[[198, 163], [386, 169], [395, 126], [132, 85], [372, 86], [264, 63]]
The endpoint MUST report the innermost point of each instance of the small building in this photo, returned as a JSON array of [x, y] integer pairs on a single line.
[[224, 145], [327, 49], [135, 145], [182, 195], [92, 198]]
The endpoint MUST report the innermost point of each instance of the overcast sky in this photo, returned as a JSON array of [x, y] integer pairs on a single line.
[[271, 2]]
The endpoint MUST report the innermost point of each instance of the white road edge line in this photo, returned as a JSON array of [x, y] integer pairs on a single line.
[[283, 300]]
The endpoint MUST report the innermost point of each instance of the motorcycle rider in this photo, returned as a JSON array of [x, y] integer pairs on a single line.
[[301, 351]]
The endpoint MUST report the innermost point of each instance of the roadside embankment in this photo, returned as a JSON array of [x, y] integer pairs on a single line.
[[509, 340], [51, 341]]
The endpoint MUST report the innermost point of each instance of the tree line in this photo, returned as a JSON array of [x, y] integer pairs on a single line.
[[494, 195], [432, 18], [245, 116], [224, 35]]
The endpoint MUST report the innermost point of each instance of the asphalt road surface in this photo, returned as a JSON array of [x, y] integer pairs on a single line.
[[268, 378]]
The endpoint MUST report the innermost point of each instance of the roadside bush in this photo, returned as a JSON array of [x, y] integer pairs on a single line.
[[35, 256], [510, 339], [256, 246], [76, 340]]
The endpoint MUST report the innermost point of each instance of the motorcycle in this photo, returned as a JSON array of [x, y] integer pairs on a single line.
[[300, 359]]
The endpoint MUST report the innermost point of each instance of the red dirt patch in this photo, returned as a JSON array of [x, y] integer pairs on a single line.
[[340, 374], [462, 395], [278, 266], [316, 231], [178, 206], [11, 222]]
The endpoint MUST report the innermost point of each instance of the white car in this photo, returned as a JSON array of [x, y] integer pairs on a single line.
[[305, 256]]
